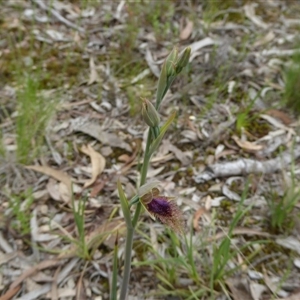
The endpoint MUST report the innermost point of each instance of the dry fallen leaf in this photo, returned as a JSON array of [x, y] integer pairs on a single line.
[[65, 185], [250, 13], [184, 157], [29, 272], [58, 175], [256, 290], [93, 73], [124, 158], [187, 30], [239, 288], [282, 116], [265, 39], [98, 163], [6, 257], [198, 214], [247, 145], [289, 242], [274, 285], [96, 131]]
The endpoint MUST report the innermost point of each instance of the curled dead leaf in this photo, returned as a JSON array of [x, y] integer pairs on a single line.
[[198, 214], [187, 30], [61, 176], [249, 146], [98, 163], [94, 77], [282, 116]]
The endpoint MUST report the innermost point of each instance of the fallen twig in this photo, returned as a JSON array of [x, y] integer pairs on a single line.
[[246, 166]]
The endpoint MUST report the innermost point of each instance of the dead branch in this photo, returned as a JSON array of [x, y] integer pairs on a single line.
[[246, 166]]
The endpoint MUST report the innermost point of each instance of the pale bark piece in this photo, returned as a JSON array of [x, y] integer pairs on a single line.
[[247, 166], [98, 163]]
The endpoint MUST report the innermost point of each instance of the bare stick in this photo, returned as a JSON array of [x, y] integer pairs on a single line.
[[246, 166]]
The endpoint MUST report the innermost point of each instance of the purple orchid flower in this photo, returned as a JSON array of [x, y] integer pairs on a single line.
[[161, 207]]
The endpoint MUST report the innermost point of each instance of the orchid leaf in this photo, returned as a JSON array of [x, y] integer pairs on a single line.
[[163, 129], [124, 205]]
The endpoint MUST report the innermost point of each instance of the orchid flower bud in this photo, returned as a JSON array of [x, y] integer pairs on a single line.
[[171, 62], [183, 60], [150, 114]]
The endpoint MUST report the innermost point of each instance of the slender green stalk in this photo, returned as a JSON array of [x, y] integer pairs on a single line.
[[130, 230], [113, 293], [127, 265], [143, 180]]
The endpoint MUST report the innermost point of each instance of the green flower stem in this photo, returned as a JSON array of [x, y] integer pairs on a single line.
[[130, 230], [127, 265], [168, 84], [143, 180], [143, 177], [152, 134]]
